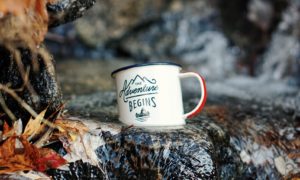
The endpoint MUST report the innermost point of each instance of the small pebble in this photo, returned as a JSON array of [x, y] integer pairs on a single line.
[[245, 157]]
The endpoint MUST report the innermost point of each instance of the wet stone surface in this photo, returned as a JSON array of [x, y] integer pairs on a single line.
[[232, 138], [188, 153], [199, 150]]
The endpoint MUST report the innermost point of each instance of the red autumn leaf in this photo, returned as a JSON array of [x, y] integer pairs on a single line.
[[43, 158], [6, 128], [49, 160]]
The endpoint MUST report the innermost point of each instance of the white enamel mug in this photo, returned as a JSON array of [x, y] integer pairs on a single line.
[[150, 94]]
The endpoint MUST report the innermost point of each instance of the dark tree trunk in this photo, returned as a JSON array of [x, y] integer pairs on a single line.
[[43, 82]]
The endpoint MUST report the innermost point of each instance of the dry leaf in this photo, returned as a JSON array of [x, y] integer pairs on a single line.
[[12, 159], [18, 127], [71, 129], [84, 146], [34, 125], [12, 131], [75, 126]]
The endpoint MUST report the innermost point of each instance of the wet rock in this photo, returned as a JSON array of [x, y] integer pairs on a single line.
[[265, 135], [198, 150], [183, 153], [229, 130], [78, 170], [64, 11], [266, 142]]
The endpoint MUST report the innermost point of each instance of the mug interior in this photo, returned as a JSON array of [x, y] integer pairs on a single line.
[[113, 74]]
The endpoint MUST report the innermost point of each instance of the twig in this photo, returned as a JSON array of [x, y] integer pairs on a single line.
[[14, 95], [40, 142], [6, 109]]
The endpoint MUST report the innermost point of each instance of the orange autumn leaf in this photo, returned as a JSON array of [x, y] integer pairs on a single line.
[[7, 147], [26, 157], [8, 131], [19, 7], [11, 159]]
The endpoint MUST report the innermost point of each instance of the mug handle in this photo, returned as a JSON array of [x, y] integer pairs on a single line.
[[202, 101]]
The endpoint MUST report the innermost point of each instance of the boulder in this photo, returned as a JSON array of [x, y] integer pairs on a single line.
[[199, 150], [183, 31], [111, 20], [64, 11]]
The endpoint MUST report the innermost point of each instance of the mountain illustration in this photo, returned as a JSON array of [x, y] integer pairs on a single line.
[[138, 78]]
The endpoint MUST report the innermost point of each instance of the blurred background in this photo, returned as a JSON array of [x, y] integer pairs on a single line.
[[249, 45], [247, 50]]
